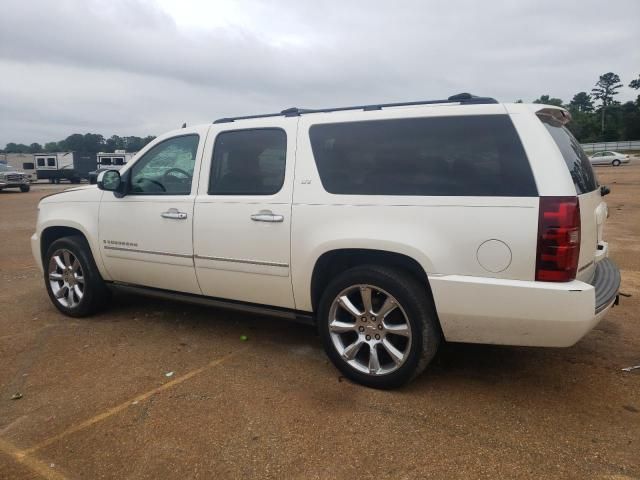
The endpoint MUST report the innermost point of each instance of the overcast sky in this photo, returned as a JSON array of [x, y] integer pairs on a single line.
[[140, 67]]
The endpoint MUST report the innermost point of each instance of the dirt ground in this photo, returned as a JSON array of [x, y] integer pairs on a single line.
[[99, 399]]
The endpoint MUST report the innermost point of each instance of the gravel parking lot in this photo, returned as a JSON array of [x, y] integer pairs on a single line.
[[154, 389]]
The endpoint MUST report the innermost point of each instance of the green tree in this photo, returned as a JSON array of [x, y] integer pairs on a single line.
[[51, 147], [581, 102], [630, 121], [546, 100], [635, 84], [606, 88], [73, 143], [93, 142], [35, 148], [16, 148], [114, 143]]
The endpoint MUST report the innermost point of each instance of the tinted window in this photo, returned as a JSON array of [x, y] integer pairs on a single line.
[[118, 161], [28, 166], [471, 155], [51, 162], [575, 158], [41, 162], [248, 162], [105, 161], [166, 169]]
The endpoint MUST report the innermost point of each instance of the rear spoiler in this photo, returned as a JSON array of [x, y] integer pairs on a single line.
[[556, 115]]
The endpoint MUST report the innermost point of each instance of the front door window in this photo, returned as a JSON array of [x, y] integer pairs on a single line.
[[166, 169]]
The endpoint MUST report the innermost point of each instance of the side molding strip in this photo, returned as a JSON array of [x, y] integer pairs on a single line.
[[151, 252], [200, 257], [238, 260]]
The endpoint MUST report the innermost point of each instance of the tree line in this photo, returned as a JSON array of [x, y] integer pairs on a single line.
[[89, 142], [598, 116]]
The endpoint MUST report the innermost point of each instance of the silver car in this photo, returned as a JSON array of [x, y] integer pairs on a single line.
[[609, 158]]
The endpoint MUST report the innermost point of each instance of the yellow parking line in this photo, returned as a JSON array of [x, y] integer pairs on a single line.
[[118, 408], [30, 462]]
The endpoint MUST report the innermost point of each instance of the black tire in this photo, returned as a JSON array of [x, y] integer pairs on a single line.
[[616, 163], [421, 317], [51, 180], [95, 292], [25, 188]]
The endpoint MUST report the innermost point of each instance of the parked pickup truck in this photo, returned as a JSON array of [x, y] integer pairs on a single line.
[[13, 178], [390, 227]]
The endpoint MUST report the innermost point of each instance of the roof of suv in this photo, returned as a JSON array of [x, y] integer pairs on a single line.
[[461, 99]]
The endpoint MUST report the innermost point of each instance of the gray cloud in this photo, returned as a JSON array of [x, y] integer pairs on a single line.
[[127, 67]]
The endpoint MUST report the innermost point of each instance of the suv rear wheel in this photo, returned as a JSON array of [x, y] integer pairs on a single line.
[[378, 326], [72, 278]]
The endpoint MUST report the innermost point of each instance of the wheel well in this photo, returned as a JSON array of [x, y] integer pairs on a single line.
[[334, 262], [51, 234]]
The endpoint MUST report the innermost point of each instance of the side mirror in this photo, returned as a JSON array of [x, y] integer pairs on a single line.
[[109, 180], [604, 190]]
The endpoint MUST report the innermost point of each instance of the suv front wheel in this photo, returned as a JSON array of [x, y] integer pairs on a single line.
[[378, 326], [73, 281]]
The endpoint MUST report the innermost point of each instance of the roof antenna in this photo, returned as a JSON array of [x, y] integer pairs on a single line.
[[184, 125]]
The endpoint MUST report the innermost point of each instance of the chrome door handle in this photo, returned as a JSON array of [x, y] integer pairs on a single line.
[[267, 216], [174, 214]]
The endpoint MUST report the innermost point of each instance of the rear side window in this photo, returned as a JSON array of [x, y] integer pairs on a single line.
[[478, 155], [577, 161], [248, 162]]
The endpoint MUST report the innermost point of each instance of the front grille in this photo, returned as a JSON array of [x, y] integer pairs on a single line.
[[14, 178]]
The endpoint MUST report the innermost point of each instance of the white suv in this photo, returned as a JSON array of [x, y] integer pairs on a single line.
[[391, 227]]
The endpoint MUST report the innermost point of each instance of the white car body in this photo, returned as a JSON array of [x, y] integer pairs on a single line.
[[478, 253], [608, 158]]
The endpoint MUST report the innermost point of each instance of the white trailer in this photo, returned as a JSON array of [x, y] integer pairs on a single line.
[[116, 159], [72, 166]]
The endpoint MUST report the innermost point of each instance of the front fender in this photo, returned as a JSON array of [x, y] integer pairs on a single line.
[[80, 216]]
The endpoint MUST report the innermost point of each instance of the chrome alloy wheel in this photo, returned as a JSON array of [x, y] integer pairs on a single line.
[[66, 278], [369, 329]]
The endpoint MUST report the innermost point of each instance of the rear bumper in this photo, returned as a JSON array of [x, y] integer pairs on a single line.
[[606, 283], [514, 312]]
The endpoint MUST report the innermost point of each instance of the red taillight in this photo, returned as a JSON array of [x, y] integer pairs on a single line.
[[558, 239]]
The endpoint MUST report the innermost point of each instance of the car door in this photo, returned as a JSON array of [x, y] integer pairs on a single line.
[[243, 212], [146, 237]]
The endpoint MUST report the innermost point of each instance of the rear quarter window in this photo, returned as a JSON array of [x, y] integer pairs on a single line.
[[478, 155], [577, 161]]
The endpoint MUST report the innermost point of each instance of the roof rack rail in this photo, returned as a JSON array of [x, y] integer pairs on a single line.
[[462, 98]]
